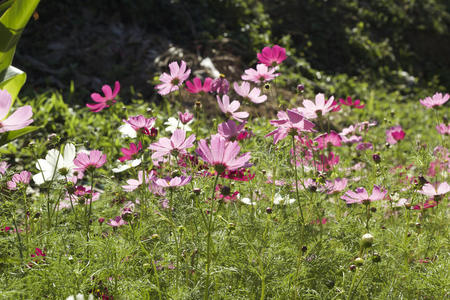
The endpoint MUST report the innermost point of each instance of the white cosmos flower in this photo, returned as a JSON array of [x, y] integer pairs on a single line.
[[246, 200], [127, 131], [278, 199], [128, 164], [55, 161], [174, 124]]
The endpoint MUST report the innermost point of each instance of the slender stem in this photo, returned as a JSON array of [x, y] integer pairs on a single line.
[[208, 247], [296, 180], [18, 239]]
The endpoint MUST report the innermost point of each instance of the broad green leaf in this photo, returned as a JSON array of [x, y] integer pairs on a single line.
[[12, 23], [4, 5], [12, 80], [12, 135]]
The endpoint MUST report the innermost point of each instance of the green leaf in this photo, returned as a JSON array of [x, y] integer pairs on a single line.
[[12, 80], [12, 135], [12, 23]]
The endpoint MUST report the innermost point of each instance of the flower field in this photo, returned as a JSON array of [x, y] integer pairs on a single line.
[[224, 189]]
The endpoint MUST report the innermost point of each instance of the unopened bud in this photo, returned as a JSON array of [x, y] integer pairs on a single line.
[[367, 240]]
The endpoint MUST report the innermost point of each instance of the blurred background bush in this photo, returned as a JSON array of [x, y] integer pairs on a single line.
[[349, 46]]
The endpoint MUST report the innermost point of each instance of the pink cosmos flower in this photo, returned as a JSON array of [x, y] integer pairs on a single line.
[[131, 152], [177, 144], [436, 100], [95, 159], [230, 130], [141, 123], [427, 204], [3, 167], [438, 190], [361, 196], [81, 193], [336, 186], [326, 163], [230, 108], [328, 138], [173, 182], [394, 134], [196, 86], [443, 129], [172, 82], [142, 177], [117, 222], [261, 74], [220, 85], [104, 101], [364, 146], [22, 177], [244, 91], [222, 154], [185, 117], [311, 109], [289, 122], [17, 120], [350, 102], [272, 57]]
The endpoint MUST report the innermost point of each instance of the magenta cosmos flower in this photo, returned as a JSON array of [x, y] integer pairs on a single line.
[[222, 154], [104, 101], [321, 106], [272, 57], [230, 109], [220, 85], [360, 195], [196, 85], [117, 222], [173, 182], [185, 117], [18, 120], [325, 139], [289, 122], [261, 74], [436, 100], [177, 144], [95, 159], [254, 96], [394, 134], [172, 82], [129, 153], [349, 102], [438, 190], [443, 129]]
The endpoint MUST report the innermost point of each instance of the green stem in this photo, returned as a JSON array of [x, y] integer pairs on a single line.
[[18, 239], [296, 180]]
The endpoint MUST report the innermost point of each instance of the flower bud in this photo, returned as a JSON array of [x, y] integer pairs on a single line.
[[155, 236], [269, 210], [300, 88], [376, 257], [367, 240], [359, 261], [376, 158], [352, 268]]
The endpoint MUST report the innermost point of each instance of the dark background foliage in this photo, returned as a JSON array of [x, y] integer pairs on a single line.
[[96, 42]]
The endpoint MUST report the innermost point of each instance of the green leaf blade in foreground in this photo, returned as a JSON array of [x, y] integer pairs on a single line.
[[12, 80]]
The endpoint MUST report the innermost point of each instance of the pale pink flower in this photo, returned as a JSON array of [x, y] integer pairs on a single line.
[[117, 222], [80, 193], [230, 109], [261, 74], [95, 159], [361, 196], [104, 101], [129, 153], [3, 167], [141, 123], [22, 177], [230, 130], [338, 185], [142, 177], [394, 134], [173, 182], [185, 117], [18, 119], [443, 129], [272, 57], [311, 109], [289, 122], [222, 154], [177, 144], [364, 146], [431, 191], [331, 138], [196, 86], [244, 91], [172, 82], [436, 100]]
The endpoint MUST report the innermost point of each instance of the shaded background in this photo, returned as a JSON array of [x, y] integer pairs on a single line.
[[384, 44]]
